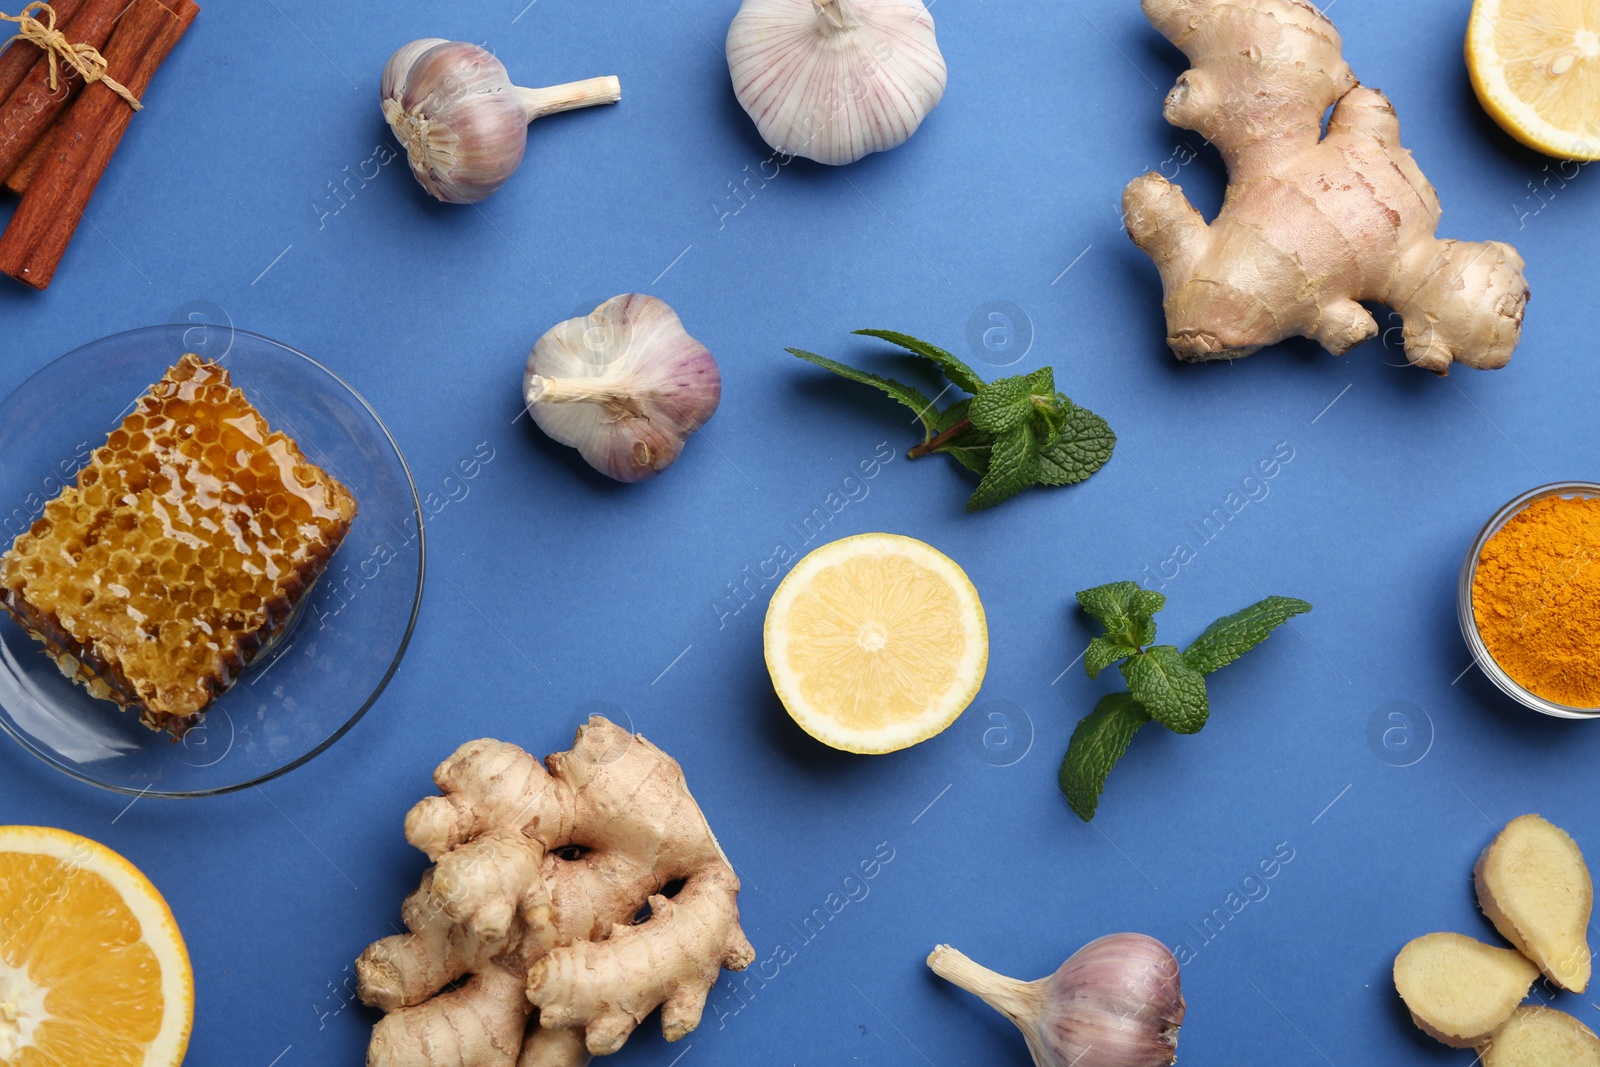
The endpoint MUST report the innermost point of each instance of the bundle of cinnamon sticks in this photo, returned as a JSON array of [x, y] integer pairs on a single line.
[[57, 136]]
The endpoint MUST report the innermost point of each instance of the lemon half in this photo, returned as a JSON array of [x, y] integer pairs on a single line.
[[1536, 67], [876, 642], [93, 970]]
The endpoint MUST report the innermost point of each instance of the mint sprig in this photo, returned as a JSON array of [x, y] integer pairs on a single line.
[[1165, 685], [1014, 433]]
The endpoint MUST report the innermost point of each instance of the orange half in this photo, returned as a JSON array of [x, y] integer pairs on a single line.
[[93, 970]]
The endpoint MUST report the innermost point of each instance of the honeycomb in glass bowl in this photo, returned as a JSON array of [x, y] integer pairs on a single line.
[[181, 551]]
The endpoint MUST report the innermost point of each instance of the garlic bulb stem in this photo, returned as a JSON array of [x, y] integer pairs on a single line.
[[571, 96], [625, 385], [1017, 1001], [542, 390], [836, 14]]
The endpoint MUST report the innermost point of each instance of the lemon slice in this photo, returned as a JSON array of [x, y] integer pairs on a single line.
[[876, 642], [93, 971], [1536, 67]]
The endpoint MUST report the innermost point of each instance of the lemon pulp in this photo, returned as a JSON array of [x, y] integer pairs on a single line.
[[876, 643], [1535, 65]]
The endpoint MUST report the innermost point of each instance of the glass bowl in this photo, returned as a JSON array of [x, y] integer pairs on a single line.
[[324, 673], [1469, 621]]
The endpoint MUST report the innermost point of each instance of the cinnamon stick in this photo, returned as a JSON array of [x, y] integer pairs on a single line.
[[19, 57], [34, 105], [18, 180], [33, 244]]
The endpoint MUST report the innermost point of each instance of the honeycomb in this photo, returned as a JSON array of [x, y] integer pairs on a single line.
[[180, 553]]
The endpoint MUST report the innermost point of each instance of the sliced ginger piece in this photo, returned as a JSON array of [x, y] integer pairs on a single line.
[[1460, 990], [1534, 886], [1542, 1037]]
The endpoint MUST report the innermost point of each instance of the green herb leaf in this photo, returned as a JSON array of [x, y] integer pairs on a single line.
[[1126, 609], [910, 397], [958, 372], [1109, 604], [1229, 638], [1049, 411], [970, 448], [1146, 602], [1172, 691], [1102, 653], [1002, 406], [1097, 744], [974, 457], [1084, 445], [1013, 467]]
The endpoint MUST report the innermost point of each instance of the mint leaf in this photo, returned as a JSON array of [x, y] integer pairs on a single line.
[[958, 372], [1229, 638], [1097, 744], [974, 457], [911, 398], [1126, 609], [1002, 406], [1172, 691], [1145, 604], [1109, 605], [1013, 467], [1102, 653], [951, 415], [1084, 445], [970, 448], [1049, 413]]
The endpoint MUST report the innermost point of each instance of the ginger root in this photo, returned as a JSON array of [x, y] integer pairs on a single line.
[[1311, 225], [1459, 990], [573, 901], [1542, 1037], [1536, 889]]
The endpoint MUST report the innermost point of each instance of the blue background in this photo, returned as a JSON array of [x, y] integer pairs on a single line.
[[552, 592]]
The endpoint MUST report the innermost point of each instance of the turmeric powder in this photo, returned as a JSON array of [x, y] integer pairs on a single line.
[[1536, 598]]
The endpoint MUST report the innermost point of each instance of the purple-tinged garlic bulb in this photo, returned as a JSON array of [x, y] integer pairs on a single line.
[[463, 125], [1117, 1002], [625, 385], [834, 80]]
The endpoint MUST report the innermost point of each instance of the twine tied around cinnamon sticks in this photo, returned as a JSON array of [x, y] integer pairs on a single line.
[[84, 59]]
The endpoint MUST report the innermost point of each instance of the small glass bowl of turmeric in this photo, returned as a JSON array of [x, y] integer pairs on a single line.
[[1529, 599]]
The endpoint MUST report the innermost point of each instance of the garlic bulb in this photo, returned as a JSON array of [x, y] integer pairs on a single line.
[[625, 385], [834, 80], [1117, 1002], [461, 121]]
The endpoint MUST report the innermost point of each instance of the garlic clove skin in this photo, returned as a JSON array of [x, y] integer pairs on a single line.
[[625, 385], [1117, 1002], [462, 122], [835, 80]]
